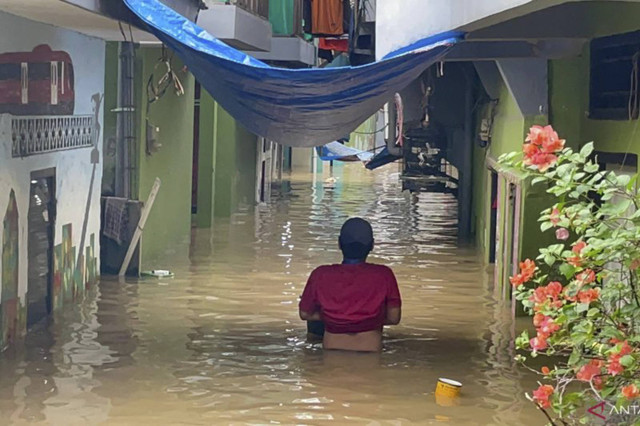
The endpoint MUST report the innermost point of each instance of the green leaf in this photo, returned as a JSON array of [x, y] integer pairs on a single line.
[[576, 355], [538, 180], [567, 270], [545, 226], [591, 167], [549, 259], [623, 180], [586, 150], [582, 307], [593, 312], [627, 361]]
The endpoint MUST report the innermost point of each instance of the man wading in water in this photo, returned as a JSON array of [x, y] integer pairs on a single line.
[[353, 300]]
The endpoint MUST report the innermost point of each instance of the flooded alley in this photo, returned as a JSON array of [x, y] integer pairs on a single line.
[[221, 342]]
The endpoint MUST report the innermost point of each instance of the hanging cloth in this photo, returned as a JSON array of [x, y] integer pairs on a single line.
[[327, 17], [306, 16], [339, 44], [296, 107]]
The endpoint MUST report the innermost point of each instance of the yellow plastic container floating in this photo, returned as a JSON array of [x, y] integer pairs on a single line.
[[448, 388]]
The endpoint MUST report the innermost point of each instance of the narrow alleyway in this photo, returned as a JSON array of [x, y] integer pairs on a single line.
[[221, 342]]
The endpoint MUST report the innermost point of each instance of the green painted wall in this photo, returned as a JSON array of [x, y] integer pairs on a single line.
[[509, 131], [226, 166], [169, 223], [570, 108], [508, 135]]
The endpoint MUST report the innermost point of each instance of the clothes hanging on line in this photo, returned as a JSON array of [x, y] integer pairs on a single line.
[[321, 17], [327, 17], [338, 44]]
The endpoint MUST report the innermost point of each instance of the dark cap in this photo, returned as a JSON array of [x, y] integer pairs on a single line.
[[356, 230]]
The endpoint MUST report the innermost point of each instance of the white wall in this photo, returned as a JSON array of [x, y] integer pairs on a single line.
[[402, 22], [73, 167]]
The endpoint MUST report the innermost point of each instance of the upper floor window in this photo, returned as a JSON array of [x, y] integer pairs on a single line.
[[615, 77]]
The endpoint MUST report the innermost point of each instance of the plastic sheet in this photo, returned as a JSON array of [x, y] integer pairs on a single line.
[[304, 108], [335, 151]]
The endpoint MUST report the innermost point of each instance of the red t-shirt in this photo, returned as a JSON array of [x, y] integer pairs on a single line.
[[351, 298]]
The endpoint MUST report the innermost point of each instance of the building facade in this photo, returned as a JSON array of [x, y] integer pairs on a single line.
[[572, 64], [51, 114]]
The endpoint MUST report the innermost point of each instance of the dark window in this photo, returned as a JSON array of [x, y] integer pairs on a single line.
[[10, 71], [70, 77], [614, 93], [39, 71]]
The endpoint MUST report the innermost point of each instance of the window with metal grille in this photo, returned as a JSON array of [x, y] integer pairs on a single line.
[[614, 92]]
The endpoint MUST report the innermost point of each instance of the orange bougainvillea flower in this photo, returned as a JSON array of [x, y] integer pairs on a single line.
[[586, 277], [614, 367], [625, 349], [542, 143], [536, 135], [548, 327], [554, 217], [540, 160], [553, 289], [545, 370], [562, 234], [528, 269], [538, 319], [578, 247], [517, 280], [542, 395], [589, 296], [539, 342], [588, 371], [630, 391]]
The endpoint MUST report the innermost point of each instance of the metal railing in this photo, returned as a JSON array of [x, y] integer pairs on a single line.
[[37, 135], [257, 7]]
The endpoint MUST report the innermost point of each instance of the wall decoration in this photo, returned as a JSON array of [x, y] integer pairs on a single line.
[[40, 82], [10, 262]]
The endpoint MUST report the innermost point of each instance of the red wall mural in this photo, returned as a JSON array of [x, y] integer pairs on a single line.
[[40, 82]]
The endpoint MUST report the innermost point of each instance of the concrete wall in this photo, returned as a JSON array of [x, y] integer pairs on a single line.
[[167, 232], [400, 23], [226, 166], [73, 167], [569, 81]]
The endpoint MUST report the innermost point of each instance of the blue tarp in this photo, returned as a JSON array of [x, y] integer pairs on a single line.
[[307, 107], [335, 151]]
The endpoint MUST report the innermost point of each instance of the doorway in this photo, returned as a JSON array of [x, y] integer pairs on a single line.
[[264, 170], [41, 225]]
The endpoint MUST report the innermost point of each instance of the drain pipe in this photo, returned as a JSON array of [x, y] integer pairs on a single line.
[[396, 123], [125, 119]]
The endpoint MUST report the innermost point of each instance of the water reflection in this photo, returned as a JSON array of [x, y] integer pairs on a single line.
[[221, 343]]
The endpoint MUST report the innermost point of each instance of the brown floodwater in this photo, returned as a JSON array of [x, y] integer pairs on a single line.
[[221, 342]]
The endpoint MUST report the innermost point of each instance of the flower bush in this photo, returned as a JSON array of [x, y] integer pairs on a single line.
[[582, 291]]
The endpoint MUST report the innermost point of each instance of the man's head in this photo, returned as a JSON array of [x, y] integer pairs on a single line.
[[356, 238]]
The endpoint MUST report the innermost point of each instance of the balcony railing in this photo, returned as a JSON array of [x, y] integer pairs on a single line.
[[37, 135], [257, 7]]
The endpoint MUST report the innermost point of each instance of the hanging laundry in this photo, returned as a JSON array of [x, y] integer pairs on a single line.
[[295, 107], [327, 17], [306, 16], [339, 44]]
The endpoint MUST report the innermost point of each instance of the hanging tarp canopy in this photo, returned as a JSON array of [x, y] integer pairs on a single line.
[[305, 108]]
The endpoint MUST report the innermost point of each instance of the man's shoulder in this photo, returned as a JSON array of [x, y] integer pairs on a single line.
[[382, 269]]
